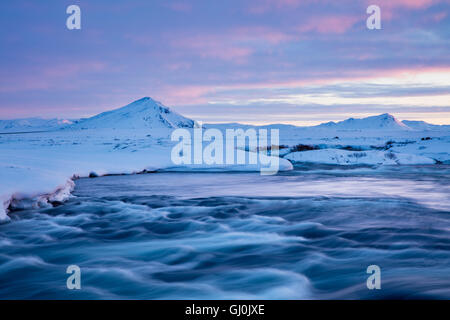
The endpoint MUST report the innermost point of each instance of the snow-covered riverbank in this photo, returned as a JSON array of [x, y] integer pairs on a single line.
[[37, 168]]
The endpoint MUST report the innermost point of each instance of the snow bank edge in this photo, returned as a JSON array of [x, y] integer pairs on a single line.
[[22, 201], [62, 192]]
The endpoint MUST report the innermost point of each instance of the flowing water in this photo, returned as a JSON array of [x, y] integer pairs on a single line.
[[306, 234]]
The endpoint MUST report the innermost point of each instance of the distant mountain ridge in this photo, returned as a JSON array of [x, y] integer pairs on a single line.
[[33, 124], [384, 121], [147, 113], [424, 126]]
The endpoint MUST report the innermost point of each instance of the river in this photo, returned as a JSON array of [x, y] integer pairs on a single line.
[[306, 234]]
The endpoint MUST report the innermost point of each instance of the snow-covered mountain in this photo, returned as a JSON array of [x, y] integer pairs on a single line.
[[424, 126], [383, 121], [32, 124], [144, 113], [147, 113]]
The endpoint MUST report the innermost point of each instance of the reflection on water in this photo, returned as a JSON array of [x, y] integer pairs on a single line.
[[310, 233]]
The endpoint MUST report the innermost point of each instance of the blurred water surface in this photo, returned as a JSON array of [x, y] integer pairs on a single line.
[[305, 234]]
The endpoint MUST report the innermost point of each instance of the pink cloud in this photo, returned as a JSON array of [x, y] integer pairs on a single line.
[[185, 94], [264, 6], [207, 46], [329, 24], [413, 4], [43, 78], [179, 66], [439, 16], [391, 9], [235, 44], [226, 53], [200, 94], [260, 34]]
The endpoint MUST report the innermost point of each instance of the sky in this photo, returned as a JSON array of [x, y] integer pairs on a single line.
[[301, 62]]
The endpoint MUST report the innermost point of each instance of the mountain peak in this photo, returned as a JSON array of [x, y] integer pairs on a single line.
[[384, 121], [144, 99], [386, 116], [144, 113]]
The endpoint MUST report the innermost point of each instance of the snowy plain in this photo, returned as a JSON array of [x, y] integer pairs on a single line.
[[39, 160]]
